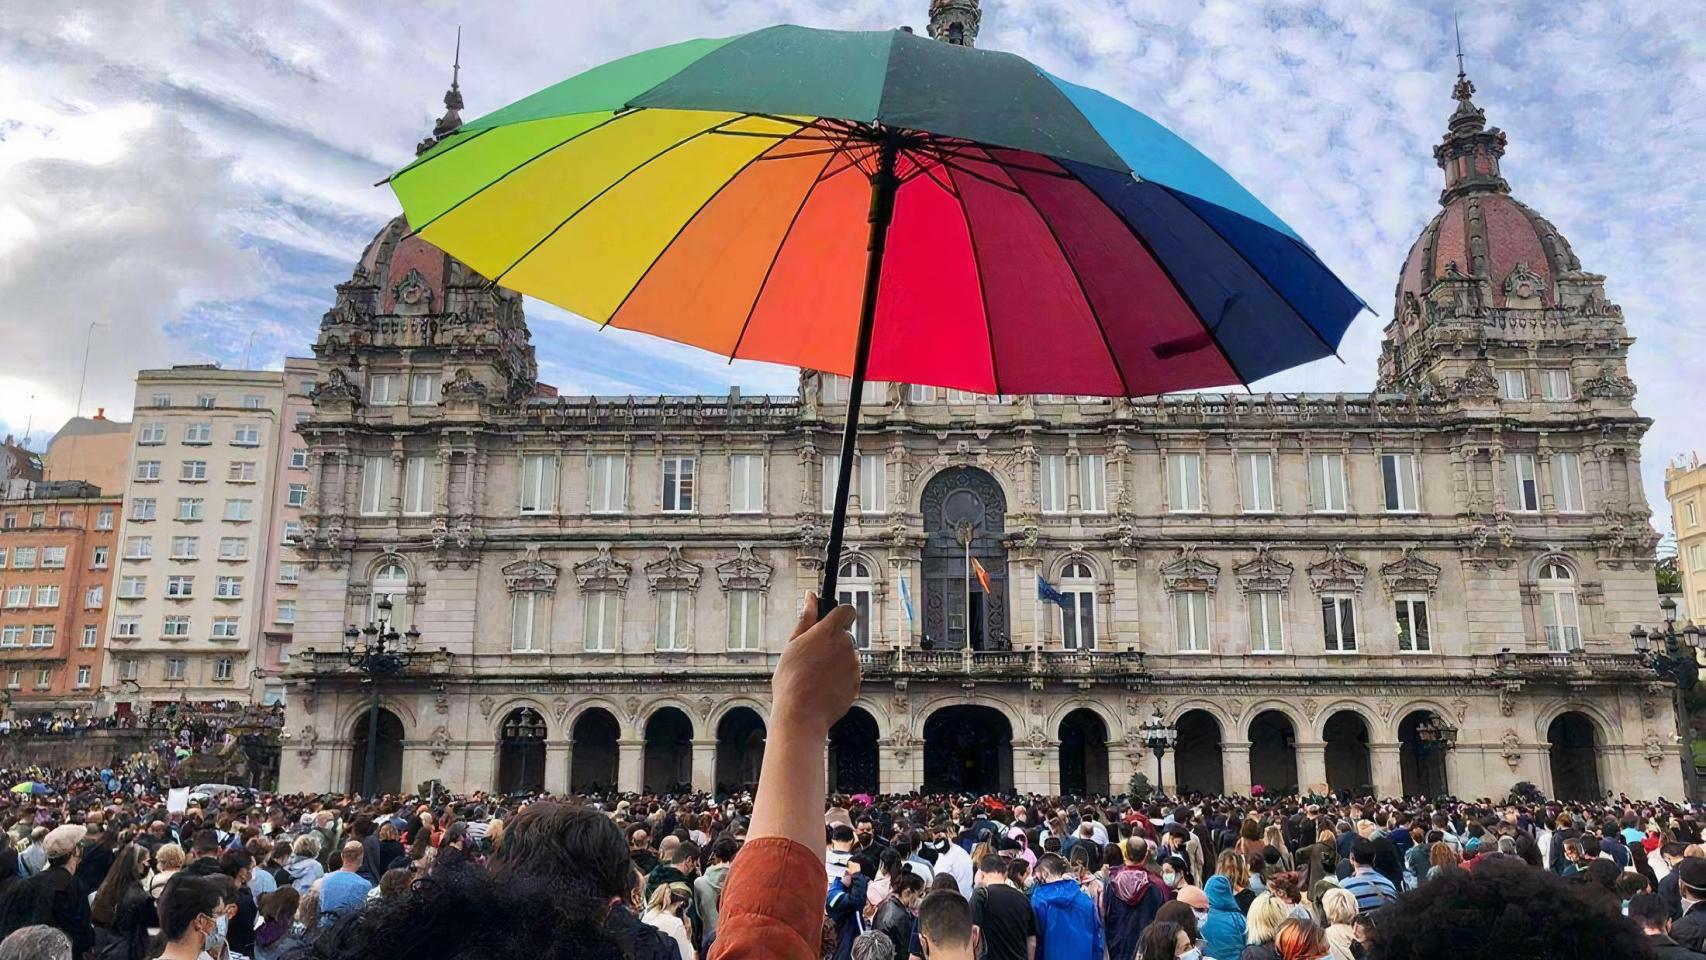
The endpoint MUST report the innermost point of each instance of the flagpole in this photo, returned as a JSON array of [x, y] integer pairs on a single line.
[[967, 536], [1037, 619]]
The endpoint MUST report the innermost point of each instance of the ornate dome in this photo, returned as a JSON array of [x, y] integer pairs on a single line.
[[1483, 232], [411, 276]]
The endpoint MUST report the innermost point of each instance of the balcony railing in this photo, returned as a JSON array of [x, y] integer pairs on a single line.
[[1098, 663]]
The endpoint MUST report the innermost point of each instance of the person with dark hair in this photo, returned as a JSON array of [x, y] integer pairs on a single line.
[[239, 866], [192, 916], [1130, 899], [122, 911], [945, 929], [708, 888], [1163, 940], [1372, 888], [204, 854], [1003, 914], [1690, 929], [52, 897], [1068, 924], [1649, 912], [894, 918], [1503, 910], [278, 912], [96, 860]]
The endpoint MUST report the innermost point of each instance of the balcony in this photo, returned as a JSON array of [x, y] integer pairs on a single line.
[[1573, 665], [1002, 663]]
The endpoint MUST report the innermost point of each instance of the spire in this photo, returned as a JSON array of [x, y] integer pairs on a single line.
[[1470, 152], [955, 21], [452, 118]]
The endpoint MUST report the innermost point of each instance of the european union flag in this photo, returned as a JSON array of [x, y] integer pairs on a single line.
[[1049, 593]]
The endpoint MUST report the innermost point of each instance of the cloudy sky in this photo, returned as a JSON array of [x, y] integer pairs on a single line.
[[194, 176]]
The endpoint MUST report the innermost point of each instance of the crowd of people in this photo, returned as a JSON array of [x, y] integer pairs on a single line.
[[102, 867]]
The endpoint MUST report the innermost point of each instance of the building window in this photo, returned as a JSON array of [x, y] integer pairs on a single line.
[[138, 548], [222, 669], [920, 393], [1411, 612], [174, 668], [104, 519], [142, 508], [374, 479], [828, 476], [94, 598], [292, 533], [53, 558], [241, 471], [538, 492], [14, 680], [1093, 483], [239, 511], [284, 612], [185, 548], [43, 635], [835, 388], [228, 588], [746, 483], [528, 624], [192, 471], [65, 518], [1339, 622], [47, 595], [12, 636], [961, 396], [390, 582], [180, 586], [1513, 384], [1053, 470], [150, 434], [160, 400], [1524, 491], [127, 670], [24, 558], [299, 458], [746, 620], [1567, 482], [91, 636], [602, 609], [423, 389], [38, 518], [289, 573], [127, 627], [147, 471], [417, 487], [1697, 557], [873, 483], [1078, 610], [44, 678], [189, 508], [225, 628], [675, 619], [1184, 482], [1398, 477], [1555, 384], [132, 588], [198, 433], [1256, 482], [233, 548], [1190, 620], [206, 401], [83, 677], [853, 587], [678, 484], [1267, 624], [18, 595], [253, 401], [98, 558], [607, 483], [1690, 514], [246, 435], [1558, 616], [384, 388]]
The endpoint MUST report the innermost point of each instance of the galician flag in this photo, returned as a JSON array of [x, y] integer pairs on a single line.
[[906, 599]]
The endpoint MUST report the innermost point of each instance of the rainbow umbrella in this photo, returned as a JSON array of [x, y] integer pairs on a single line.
[[882, 206]]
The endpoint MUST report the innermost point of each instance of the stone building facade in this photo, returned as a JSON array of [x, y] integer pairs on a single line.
[[1302, 584], [1685, 489]]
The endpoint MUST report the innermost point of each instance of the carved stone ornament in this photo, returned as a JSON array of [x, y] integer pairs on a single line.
[[336, 387], [463, 386], [413, 294], [1132, 706], [1523, 286], [530, 574], [1608, 384], [1263, 572], [744, 572], [1460, 707], [439, 745], [1337, 573], [307, 742], [441, 699], [1477, 382], [1384, 707], [632, 705], [1511, 747], [1649, 700], [560, 709], [1234, 707], [1410, 574], [1653, 749], [1311, 709], [1188, 571], [1507, 698], [673, 572], [602, 572], [706, 705], [486, 705]]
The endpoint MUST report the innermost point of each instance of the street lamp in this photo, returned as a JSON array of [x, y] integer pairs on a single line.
[[1676, 661], [1435, 735], [378, 651], [1159, 736]]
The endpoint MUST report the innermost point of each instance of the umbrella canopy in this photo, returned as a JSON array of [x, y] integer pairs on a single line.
[[882, 206]]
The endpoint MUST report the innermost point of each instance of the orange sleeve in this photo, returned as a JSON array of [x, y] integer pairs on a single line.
[[772, 906]]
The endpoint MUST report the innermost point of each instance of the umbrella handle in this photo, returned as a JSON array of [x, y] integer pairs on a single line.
[[883, 186]]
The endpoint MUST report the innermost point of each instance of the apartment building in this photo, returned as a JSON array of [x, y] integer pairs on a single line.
[[276, 615]]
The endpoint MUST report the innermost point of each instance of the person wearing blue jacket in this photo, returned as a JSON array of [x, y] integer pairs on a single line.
[[1068, 926], [844, 905], [1223, 931]]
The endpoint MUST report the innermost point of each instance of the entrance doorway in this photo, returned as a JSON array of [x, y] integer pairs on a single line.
[[968, 749], [388, 770], [1574, 757]]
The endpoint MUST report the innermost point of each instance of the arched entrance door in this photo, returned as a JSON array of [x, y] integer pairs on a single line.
[[521, 752], [740, 750], [1083, 754], [1273, 753], [968, 749], [853, 754], [669, 752], [1348, 766], [1575, 760], [593, 767], [965, 516], [388, 768], [1196, 755], [1421, 763]]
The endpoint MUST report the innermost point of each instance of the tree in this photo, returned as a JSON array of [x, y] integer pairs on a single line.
[[1668, 575], [1138, 789]]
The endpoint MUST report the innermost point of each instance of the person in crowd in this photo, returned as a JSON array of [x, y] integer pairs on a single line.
[[1131, 898], [708, 888], [1339, 908], [122, 910], [1299, 939], [895, 916], [96, 858], [1231, 865], [1649, 912], [1002, 913], [1372, 888], [1690, 929], [872, 945], [277, 913], [39, 942], [1164, 940], [1223, 929], [193, 919], [945, 930], [239, 866], [344, 890], [1267, 914], [304, 865], [1068, 924], [664, 909], [53, 896]]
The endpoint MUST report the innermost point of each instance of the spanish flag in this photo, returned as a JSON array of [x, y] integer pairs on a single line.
[[982, 575]]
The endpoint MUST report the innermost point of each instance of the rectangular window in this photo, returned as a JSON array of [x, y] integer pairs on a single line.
[[142, 508], [859, 598], [1513, 384], [1411, 611], [875, 391], [1555, 384], [1398, 477], [1267, 627], [65, 518], [38, 518], [18, 595], [104, 519], [43, 635], [384, 388], [298, 458], [161, 400], [228, 588], [1093, 483], [225, 628], [1567, 482], [920, 393], [98, 559], [873, 483], [1078, 620], [206, 401], [138, 548], [198, 433], [1326, 483], [14, 679], [746, 609], [91, 636], [189, 508], [607, 483], [1690, 514], [12, 636], [127, 670], [240, 471], [174, 668], [746, 483], [83, 677], [44, 678], [127, 627], [222, 668], [132, 588], [2, 558], [94, 598], [423, 389], [678, 484], [53, 558], [417, 486], [1190, 620], [830, 473], [24, 558], [147, 470], [1053, 469], [289, 573], [47, 595], [239, 511], [1184, 483], [526, 632], [292, 533], [246, 435], [675, 619], [150, 434], [538, 492], [961, 396], [186, 548], [180, 586], [1524, 490], [1256, 482], [233, 548], [253, 401], [284, 612], [601, 609], [1339, 623], [374, 481]]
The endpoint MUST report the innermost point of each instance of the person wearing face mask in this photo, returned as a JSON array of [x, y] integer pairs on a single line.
[[1166, 941], [1690, 931], [192, 919], [953, 859], [1197, 900], [1131, 898], [1002, 914]]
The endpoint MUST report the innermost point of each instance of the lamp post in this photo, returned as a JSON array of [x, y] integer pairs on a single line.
[[1435, 736], [378, 651], [1159, 736], [1672, 654]]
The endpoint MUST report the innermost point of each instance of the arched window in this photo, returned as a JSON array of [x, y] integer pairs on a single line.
[[1558, 619], [391, 581], [1078, 611], [853, 586]]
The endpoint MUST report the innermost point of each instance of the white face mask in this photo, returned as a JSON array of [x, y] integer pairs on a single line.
[[1169, 878], [1202, 916], [1191, 954]]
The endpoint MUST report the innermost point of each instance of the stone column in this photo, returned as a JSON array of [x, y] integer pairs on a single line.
[[704, 765], [1385, 769], [1235, 766], [557, 754], [631, 765], [1311, 765]]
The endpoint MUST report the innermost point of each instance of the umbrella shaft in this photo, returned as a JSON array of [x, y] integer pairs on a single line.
[[883, 186]]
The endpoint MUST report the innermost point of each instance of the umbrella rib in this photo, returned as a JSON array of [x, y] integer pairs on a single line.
[[982, 292], [1101, 329], [776, 255], [594, 199], [418, 161], [978, 176], [683, 229]]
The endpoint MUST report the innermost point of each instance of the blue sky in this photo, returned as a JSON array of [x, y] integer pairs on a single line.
[[195, 176]]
